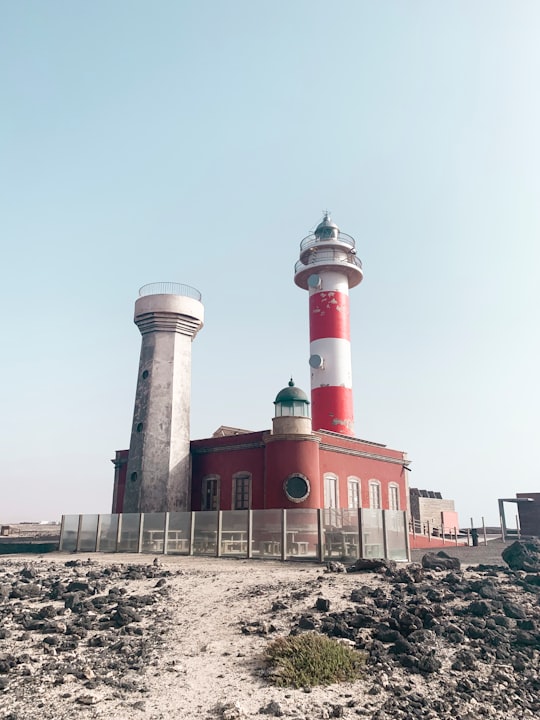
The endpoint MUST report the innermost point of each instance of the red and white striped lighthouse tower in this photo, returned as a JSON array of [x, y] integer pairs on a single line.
[[327, 268]]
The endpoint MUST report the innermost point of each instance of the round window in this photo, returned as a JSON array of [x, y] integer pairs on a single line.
[[296, 487]]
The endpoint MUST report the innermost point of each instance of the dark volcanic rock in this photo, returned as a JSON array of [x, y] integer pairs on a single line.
[[523, 555], [440, 561], [372, 565], [125, 615], [513, 610], [358, 595], [322, 604]]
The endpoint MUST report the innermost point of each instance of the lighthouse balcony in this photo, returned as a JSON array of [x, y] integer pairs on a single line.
[[313, 241], [318, 260], [170, 288]]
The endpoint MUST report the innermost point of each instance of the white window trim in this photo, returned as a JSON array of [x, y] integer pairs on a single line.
[[391, 486], [375, 483], [354, 480], [331, 476]]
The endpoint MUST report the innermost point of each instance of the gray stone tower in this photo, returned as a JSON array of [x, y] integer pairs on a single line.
[[169, 315]]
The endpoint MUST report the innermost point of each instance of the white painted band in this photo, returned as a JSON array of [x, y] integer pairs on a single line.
[[331, 280], [337, 367]]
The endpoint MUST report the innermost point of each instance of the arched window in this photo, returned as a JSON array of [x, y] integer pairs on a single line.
[[393, 496], [330, 490], [331, 500], [353, 492], [210, 492], [241, 499], [374, 494]]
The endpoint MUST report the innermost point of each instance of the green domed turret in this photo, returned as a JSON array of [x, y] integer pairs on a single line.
[[291, 401]]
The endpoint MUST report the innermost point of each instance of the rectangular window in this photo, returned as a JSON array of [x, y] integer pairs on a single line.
[[393, 497], [354, 494], [330, 491], [331, 515], [241, 491], [210, 493], [374, 495]]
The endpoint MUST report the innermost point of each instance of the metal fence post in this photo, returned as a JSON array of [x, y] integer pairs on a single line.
[[118, 532], [320, 534], [361, 537], [359, 533], [283, 534], [385, 533], [79, 526], [61, 541], [191, 532], [218, 534], [98, 533], [141, 528], [166, 533], [407, 537], [249, 534]]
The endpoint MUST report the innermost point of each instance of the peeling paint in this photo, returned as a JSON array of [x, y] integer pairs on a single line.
[[347, 423]]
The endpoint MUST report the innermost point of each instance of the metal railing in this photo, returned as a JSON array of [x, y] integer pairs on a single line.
[[277, 534], [170, 288], [321, 257], [432, 531], [312, 240]]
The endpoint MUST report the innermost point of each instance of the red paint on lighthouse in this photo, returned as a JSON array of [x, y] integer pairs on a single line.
[[327, 268], [332, 409], [329, 316]]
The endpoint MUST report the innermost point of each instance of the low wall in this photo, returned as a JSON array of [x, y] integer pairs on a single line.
[[10, 546], [309, 534]]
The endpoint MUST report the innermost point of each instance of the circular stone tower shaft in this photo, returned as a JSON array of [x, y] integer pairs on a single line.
[[168, 315], [327, 268]]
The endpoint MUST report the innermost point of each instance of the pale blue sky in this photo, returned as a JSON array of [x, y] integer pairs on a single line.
[[200, 142]]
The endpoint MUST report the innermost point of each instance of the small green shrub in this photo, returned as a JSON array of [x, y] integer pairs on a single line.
[[310, 659]]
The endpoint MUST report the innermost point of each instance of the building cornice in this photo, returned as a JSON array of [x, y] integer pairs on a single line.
[[226, 448], [291, 437], [364, 454]]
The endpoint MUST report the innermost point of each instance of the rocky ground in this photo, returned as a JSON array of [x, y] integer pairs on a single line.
[[128, 637]]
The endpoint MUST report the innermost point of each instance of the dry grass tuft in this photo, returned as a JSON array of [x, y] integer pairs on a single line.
[[309, 659]]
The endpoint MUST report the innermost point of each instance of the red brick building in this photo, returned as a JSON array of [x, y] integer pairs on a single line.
[[289, 466]]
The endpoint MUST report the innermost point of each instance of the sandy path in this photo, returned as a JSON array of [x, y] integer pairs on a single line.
[[206, 661]]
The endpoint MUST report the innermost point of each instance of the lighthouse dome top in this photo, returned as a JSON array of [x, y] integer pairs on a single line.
[[326, 227], [327, 249], [291, 394], [291, 402]]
